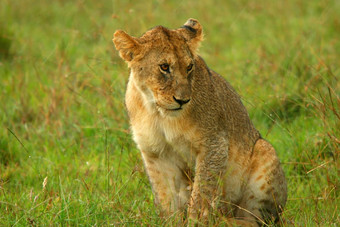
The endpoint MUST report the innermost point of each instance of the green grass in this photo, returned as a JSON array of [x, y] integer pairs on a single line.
[[63, 120]]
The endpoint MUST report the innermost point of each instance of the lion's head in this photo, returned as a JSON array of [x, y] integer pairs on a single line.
[[162, 63]]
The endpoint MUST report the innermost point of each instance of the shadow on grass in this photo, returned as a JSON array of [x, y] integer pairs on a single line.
[[5, 43]]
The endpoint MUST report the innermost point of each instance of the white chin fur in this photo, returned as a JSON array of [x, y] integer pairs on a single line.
[[169, 113]]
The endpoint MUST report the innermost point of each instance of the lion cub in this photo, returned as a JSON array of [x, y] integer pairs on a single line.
[[199, 147]]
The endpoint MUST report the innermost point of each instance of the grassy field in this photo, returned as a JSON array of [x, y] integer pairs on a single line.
[[66, 155]]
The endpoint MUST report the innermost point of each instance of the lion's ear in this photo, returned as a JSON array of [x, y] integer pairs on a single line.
[[192, 31], [127, 46]]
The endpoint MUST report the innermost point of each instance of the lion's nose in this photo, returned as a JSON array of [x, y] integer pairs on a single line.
[[181, 102]]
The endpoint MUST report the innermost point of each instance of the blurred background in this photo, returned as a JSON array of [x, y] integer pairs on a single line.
[[66, 154]]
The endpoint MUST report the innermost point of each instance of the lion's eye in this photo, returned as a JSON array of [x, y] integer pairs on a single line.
[[164, 67], [189, 68]]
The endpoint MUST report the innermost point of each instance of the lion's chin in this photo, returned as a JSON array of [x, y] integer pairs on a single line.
[[170, 112]]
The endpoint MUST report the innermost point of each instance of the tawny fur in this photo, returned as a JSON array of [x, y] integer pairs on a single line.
[[199, 147]]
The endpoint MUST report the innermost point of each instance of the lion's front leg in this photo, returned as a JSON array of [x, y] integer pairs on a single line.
[[169, 180], [211, 165]]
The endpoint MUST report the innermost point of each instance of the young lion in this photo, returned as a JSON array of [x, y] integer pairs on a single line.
[[199, 147]]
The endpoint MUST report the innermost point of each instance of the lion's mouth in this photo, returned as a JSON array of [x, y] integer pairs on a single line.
[[176, 109], [169, 109]]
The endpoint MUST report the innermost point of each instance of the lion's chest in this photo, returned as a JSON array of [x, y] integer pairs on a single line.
[[181, 143], [161, 137]]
